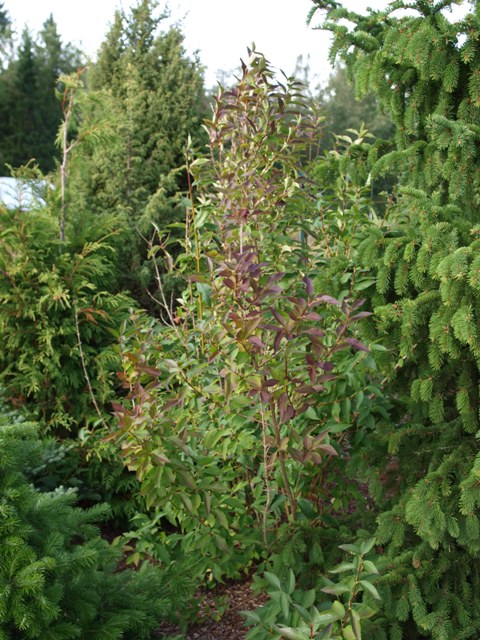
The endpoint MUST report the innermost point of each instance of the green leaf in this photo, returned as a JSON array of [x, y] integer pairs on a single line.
[[351, 548], [291, 633], [272, 580], [304, 614], [251, 617], [325, 634], [368, 586], [363, 610], [364, 284], [342, 567], [336, 589], [369, 567], [338, 608], [307, 508], [285, 605], [349, 634], [355, 620], [367, 545], [221, 518], [290, 584], [308, 598]]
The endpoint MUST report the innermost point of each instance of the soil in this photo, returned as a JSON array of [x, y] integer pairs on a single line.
[[219, 615]]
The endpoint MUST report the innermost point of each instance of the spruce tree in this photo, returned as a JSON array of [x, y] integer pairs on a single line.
[[58, 577], [20, 122], [423, 258]]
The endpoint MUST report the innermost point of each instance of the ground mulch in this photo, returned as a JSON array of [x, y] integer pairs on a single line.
[[219, 615]]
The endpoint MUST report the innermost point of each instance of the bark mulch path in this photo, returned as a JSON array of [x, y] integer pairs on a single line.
[[219, 615]]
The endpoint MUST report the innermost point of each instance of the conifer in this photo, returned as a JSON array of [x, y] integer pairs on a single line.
[[58, 577], [425, 69]]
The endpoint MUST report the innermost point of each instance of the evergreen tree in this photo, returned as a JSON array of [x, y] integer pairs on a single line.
[[423, 258], [20, 124], [153, 94], [58, 577], [343, 111], [5, 32], [29, 111]]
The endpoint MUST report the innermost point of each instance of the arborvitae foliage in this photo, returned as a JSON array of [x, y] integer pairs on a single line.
[[152, 94], [56, 317], [58, 578], [425, 69], [29, 112]]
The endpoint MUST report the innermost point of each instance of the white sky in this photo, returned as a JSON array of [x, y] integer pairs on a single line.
[[220, 30]]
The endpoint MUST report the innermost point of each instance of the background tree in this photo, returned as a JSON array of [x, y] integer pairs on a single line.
[[5, 31], [342, 110], [155, 99], [29, 111]]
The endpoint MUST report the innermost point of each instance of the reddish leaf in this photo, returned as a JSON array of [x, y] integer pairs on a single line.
[[274, 278], [307, 442], [357, 344], [270, 327], [305, 389], [358, 304], [265, 396], [277, 315], [329, 300], [362, 314], [328, 449], [118, 408], [277, 341], [298, 302], [274, 289], [229, 283], [308, 285], [326, 366], [270, 383], [326, 377], [315, 331]]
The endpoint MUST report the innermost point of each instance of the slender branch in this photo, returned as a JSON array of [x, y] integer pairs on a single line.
[[354, 592], [281, 458], [84, 367], [266, 477]]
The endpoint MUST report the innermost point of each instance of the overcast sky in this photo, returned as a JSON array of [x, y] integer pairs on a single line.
[[220, 30]]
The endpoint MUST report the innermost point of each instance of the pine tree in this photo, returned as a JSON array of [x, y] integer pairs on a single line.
[[425, 70], [20, 124]]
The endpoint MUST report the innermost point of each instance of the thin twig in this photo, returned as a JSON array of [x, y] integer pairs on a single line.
[[84, 367]]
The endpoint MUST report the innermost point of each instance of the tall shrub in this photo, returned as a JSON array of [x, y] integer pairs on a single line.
[[233, 406]]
